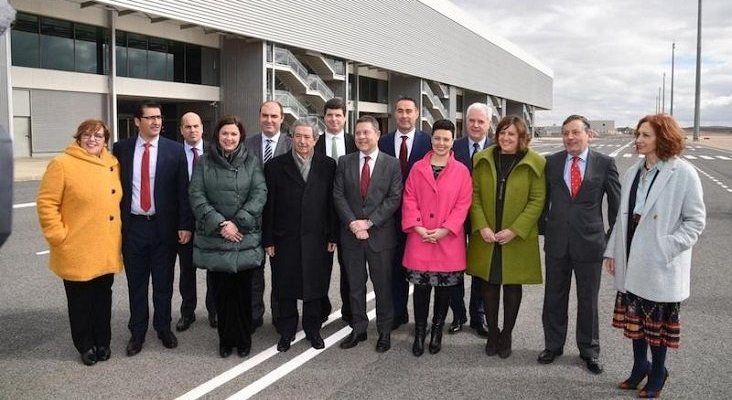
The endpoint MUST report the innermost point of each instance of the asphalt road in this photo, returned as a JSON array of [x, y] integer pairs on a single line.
[[38, 360]]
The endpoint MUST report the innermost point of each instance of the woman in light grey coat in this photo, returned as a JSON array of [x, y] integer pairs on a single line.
[[661, 216]]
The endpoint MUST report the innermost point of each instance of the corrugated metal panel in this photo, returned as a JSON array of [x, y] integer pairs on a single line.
[[56, 115], [404, 36]]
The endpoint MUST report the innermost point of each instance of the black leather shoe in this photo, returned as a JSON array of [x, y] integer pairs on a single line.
[[89, 357], [213, 321], [184, 323], [316, 341], [243, 351], [399, 321], [480, 329], [284, 344], [224, 351], [347, 318], [168, 338], [547, 356], [456, 326], [352, 340], [103, 353], [593, 364], [384, 343], [134, 346]]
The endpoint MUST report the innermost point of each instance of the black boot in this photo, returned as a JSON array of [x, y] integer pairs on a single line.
[[420, 332], [491, 345], [442, 303], [491, 297]]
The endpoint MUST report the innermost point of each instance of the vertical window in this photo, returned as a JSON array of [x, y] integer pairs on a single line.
[[121, 53], [193, 64], [157, 58], [86, 54], [57, 44], [25, 41], [178, 52], [136, 56], [209, 66]]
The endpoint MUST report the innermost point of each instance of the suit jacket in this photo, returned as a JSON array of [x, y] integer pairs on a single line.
[[382, 200], [254, 145], [172, 208], [422, 144], [574, 227], [463, 151], [350, 144], [299, 221]]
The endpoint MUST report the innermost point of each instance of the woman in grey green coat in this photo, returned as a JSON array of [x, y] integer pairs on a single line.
[[228, 193]]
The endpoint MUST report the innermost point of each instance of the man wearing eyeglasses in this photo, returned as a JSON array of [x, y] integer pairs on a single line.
[[156, 217]]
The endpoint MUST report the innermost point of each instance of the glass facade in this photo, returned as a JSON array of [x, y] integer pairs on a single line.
[[51, 43], [370, 89]]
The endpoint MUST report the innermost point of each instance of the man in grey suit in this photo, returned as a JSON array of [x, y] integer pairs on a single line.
[[367, 192], [265, 146], [575, 239]]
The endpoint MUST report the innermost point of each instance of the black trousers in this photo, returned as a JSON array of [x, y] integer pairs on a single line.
[[311, 316], [90, 311], [187, 284], [475, 307], [399, 284], [234, 307], [326, 306], [148, 255]]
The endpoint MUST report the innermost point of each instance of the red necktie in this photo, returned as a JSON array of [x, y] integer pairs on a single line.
[[403, 154], [575, 177], [365, 177], [145, 179]]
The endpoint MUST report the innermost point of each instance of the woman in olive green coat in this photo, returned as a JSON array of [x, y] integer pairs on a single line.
[[503, 251]]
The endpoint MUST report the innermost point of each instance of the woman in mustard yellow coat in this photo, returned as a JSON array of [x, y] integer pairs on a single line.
[[78, 208]]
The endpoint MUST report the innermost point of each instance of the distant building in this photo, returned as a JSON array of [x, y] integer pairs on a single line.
[[603, 127]]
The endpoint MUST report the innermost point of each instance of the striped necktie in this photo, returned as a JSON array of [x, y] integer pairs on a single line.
[[267, 151]]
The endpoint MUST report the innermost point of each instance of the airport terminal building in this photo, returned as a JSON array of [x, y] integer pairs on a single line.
[[67, 60]]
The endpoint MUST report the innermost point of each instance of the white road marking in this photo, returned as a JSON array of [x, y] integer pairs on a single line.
[[713, 179], [627, 155], [24, 205], [40, 253], [284, 369], [207, 387], [724, 158], [707, 157], [543, 153], [690, 157], [619, 149]]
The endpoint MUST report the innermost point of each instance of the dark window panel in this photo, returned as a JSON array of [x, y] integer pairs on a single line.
[[26, 23], [57, 44], [193, 64], [137, 56], [157, 59], [209, 66], [25, 49], [178, 53], [87, 53], [121, 53]]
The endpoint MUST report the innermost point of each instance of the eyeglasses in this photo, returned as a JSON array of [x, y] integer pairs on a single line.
[[95, 136], [152, 117]]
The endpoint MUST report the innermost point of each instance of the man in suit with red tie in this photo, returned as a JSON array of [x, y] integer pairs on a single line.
[[191, 128], [574, 239], [408, 144], [367, 192], [334, 143], [156, 217]]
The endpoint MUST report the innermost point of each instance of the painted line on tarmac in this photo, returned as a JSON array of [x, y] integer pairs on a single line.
[[713, 179], [282, 371], [254, 361], [24, 205], [621, 148], [40, 253]]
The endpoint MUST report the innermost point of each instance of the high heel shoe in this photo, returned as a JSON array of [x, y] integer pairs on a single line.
[[633, 383], [646, 393]]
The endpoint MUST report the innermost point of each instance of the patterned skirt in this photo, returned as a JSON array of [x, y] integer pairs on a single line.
[[657, 323], [434, 278]]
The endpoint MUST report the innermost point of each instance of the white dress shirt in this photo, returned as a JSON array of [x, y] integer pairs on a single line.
[[568, 166], [340, 144], [137, 175], [361, 158], [189, 155], [274, 139], [398, 142]]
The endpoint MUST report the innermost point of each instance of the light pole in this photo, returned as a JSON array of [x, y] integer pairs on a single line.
[[663, 98], [697, 99], [671, 106]]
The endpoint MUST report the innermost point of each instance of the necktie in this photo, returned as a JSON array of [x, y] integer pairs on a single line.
[[403, 154], [334, 149], [145, 179], [267, 151], [575, 177], [365, 176], [195, 155], [476, 148]]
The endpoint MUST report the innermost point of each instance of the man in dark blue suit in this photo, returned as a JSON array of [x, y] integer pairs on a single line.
[[156, 217], [477, 122], [408, 144]]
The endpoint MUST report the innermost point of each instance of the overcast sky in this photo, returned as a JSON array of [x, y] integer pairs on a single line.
[[609, 57]]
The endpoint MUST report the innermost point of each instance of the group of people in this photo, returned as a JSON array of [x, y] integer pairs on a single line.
[[400, 208]]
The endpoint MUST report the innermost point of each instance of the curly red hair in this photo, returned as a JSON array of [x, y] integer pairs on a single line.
[[669, 135]]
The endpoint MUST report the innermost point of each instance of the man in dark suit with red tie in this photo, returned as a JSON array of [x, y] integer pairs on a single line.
[[334, 143], [408, 144], [574, 239], [156, 217]]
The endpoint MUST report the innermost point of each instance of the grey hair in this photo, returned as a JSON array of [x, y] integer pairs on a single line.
[[7, 15], [308, 122], [480, 106]]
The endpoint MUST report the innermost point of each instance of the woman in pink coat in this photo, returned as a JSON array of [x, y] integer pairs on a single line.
[[436, 200]]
